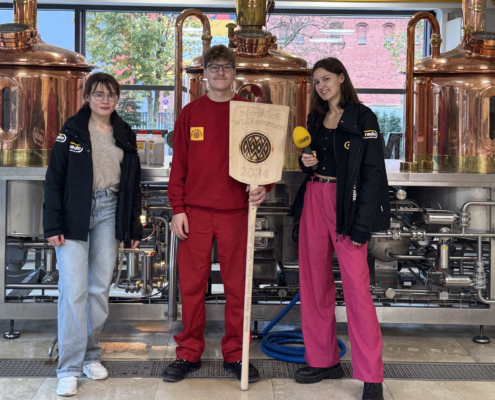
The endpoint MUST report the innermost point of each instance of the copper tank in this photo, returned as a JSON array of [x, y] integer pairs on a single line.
[[263, 73], [450, 99], [40, 87]]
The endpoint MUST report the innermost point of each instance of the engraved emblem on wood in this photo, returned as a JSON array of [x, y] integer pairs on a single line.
[[256, 147]]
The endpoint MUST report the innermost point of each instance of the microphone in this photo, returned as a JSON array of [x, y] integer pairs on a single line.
[[302, 139]]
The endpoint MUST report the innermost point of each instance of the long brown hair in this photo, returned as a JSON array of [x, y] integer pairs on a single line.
[[107, 80], [348, 93]]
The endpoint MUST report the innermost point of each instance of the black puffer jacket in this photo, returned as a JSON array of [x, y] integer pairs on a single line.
[[363, 204], [69, 182]]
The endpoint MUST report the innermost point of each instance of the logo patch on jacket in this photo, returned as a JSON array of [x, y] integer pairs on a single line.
[[61, 138], [347, 145], [75, 148], [370, 135], [197, 133]]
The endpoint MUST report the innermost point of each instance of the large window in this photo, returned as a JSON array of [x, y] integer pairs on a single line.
[[55, 27], [371, 48]]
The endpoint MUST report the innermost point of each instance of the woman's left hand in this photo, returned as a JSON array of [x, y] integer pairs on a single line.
[[135, 244], [356, 244], [256, 196]]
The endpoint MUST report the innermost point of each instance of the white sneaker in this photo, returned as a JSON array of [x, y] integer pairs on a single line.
[[95, 371], [67, 386]]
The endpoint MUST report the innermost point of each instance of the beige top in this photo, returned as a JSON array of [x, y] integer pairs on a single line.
[[107, 158]]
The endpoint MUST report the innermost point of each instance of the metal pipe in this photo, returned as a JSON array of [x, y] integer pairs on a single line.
[[25, 12], [39, 286], [435, 52], [264, 234], [41, 245], [439, 235], [172, 279], [483, 300], [391, 254], [50, 261], [272, 213], [476, 203], [146, 271], [206, 38]]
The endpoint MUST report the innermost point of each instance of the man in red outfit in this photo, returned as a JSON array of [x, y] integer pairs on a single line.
[[207, 203]]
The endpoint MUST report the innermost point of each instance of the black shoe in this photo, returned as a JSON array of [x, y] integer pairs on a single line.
[[309, 374], [373, 391], [236, 368], [178, 370]]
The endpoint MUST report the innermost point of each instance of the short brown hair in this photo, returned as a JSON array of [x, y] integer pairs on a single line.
[[107, 80], [219, 52], [348, 93]]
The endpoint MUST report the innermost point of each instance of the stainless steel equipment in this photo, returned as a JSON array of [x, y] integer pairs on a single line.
[[437, 253]]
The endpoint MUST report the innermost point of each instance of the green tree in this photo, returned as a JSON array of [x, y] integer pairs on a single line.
[[138, 48], [129, 109], [395, 123], [295, 31], [397, 45]]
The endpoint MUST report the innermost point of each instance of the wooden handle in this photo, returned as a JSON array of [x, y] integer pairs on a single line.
[[246, 336]]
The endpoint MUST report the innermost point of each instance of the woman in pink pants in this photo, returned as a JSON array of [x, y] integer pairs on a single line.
[[345, 199]]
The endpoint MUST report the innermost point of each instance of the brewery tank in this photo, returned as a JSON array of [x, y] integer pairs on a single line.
[[450, 99], [40, 87], [264, 74]]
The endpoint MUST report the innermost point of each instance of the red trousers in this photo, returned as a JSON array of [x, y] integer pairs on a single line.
[[317, 243], [194, 263]]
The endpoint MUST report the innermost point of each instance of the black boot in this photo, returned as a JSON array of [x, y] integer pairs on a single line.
[[309, 374], [178, 370], [236, 368], [373, 391]]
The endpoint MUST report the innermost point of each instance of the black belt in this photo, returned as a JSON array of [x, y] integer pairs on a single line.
[[323, 180]]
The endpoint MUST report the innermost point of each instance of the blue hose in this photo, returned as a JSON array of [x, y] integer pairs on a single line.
[[273, 344]]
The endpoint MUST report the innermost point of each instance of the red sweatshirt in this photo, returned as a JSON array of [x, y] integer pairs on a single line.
[[200, 165]]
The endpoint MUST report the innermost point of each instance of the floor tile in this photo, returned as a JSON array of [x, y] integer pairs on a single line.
[[214, 332], [481, 353], [344, 389], [217, 389], [19, 388], [426, 354], [417, 335], [25, 350], [135, 339], [109, 389], [132, 350], [414, 390]]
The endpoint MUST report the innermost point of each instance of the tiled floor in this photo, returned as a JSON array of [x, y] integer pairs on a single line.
[[154, 340]]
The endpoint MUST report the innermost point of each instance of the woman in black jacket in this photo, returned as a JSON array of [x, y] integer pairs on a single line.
[[346, 199], [92, 202]]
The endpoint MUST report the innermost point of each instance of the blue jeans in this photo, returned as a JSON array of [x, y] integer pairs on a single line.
[[86, 270]]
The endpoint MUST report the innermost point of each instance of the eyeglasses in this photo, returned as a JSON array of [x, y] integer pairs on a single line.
[[216, 67], [112, 97]]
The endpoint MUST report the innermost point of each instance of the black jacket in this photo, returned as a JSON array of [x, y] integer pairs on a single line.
[[69, 182], [363, 204]]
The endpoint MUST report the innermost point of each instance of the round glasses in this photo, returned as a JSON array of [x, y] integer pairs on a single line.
[[216, 67], [112, 97]]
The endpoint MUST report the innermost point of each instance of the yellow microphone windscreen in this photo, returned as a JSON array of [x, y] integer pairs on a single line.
[[301, 136]]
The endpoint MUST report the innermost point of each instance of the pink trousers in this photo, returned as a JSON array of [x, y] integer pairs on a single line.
[[317, 243]]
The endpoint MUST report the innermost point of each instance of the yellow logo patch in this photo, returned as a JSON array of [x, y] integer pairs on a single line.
[[347, 145], [197, 133]]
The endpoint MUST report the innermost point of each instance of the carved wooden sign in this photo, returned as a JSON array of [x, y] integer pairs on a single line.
[[257, 142]]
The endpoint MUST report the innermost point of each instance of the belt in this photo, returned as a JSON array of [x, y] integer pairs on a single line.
[[322, 180]]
